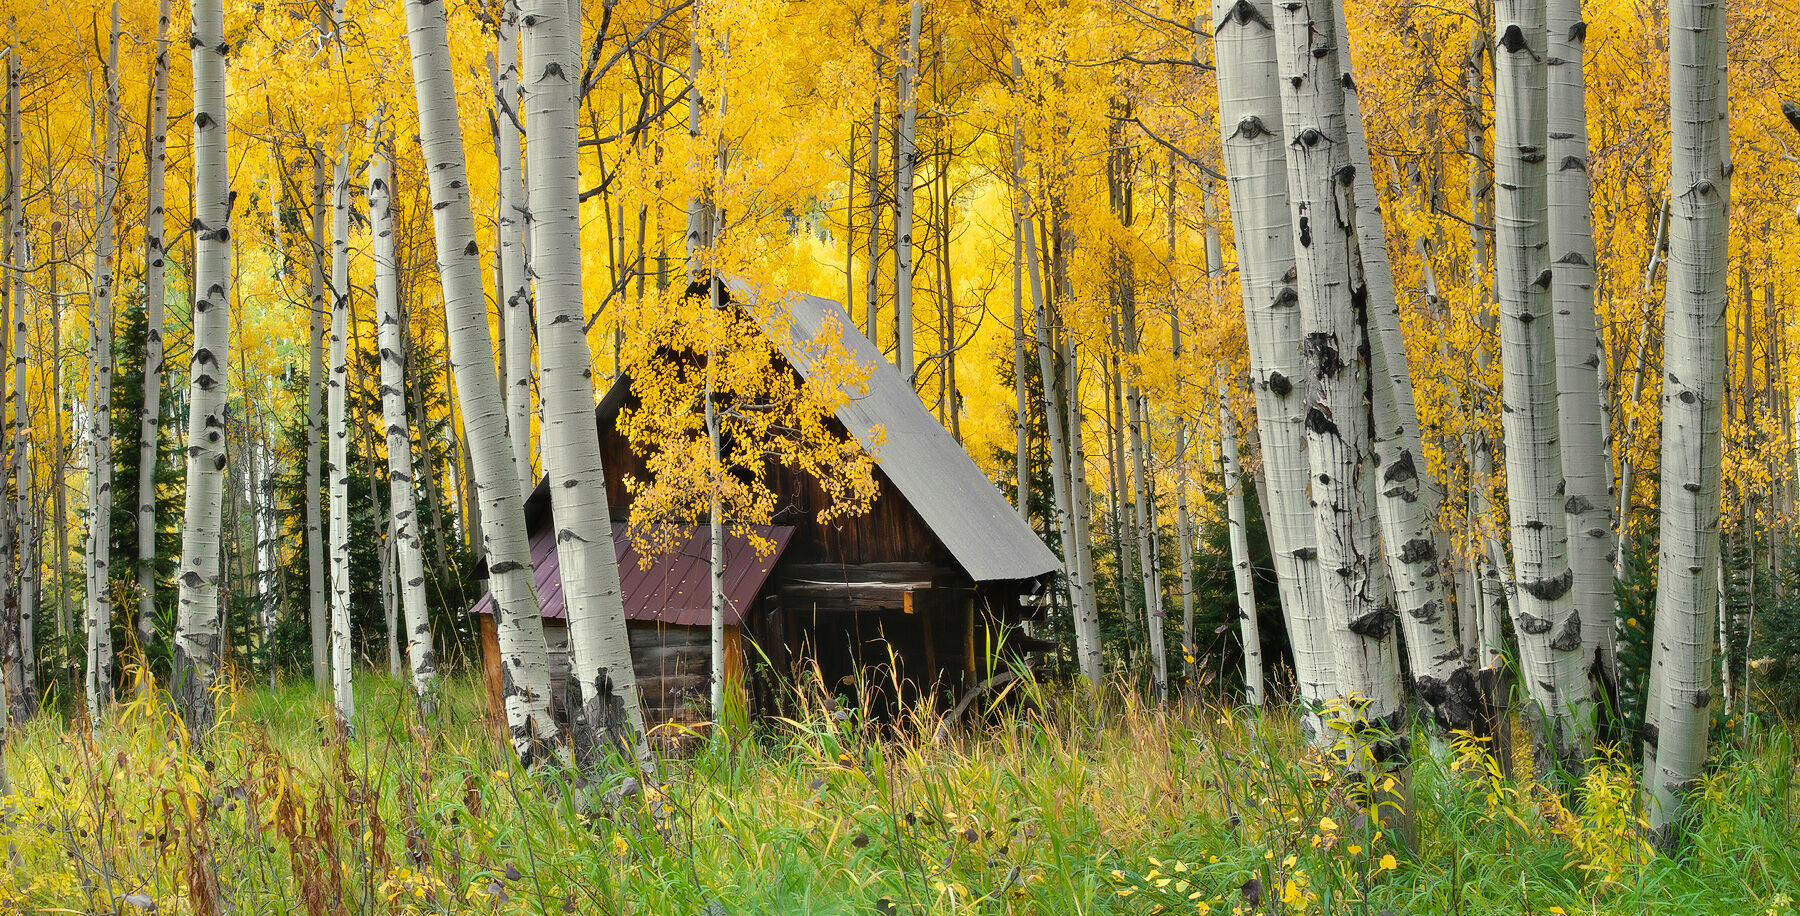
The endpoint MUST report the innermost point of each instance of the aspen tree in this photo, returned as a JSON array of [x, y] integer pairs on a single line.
[[1131, 415], [317, 621], [1251, 121], [515, 281], [1063, 474], [198, 638], [1580, 363], [703, 233], [1240, 555], [58, 465], [1544, 617], [907, 154], [1081, 500], [420, 654], [100, 319], [1183, 521], [1680, 677], [1021, 405], [525, 663], [17, 659], [25, 691], [603, 685], [337, 435], [1405, 493], [1062, 485], [148, 435], [1360, 621]]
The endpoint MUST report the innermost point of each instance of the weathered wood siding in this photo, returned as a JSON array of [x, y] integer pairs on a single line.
[[672, 665]]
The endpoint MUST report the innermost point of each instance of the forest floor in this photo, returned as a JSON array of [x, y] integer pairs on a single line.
[[1189, 810]]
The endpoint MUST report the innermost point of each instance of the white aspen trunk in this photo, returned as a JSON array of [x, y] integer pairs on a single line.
[[317, 623], [524, 655], [420, 653], [1184, 540], [1118, 480], [1083, 497], [872, 293], [265, 542], [1360, 619], [716, 535], [1021, 409], [1240, 556], [1063, 482], [23, 472], [12, 657], [1145, 517], [157, 162], [1627, 475], [907, 156], [1544, 617], [1580, 361], [337, 470], [1183, 521], [390, 603], [1406, 496], [703, 231], [198, 637], [699, 212], [99, 601], [603, 700], [515, 280], [1681, 675], [1251, 121]]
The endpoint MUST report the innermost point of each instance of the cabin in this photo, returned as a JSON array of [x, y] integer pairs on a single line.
[[925, 591]]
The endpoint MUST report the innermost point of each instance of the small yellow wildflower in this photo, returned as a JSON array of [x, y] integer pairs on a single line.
[[1388, 863]]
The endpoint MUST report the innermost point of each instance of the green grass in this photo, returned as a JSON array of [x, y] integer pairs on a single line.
[[1188, 810]]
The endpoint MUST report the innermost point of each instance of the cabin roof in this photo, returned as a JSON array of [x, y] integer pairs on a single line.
[[956, 500], [675, 590], [931, 469]]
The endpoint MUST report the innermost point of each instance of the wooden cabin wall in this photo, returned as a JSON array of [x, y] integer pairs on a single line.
[[886, 657], [672, 666]]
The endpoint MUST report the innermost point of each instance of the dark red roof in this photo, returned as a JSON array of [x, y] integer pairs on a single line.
[[676, 588]]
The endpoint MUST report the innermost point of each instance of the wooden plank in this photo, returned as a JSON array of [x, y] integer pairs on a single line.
[[969, 670], [490, 675]]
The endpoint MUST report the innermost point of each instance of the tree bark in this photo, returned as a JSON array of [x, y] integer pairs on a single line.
[[148, 436], [524, 661], [99, 542], [337, 469], [23, 474], [199, 639], [1360, 620], [604, 698], [317, 622], [1544, 617], [907, 152], [1240, 556], [1087, 647], [1251, 121], [1406, 495], [421, 654], [515, 279], [1680, 676], [1580, 362]]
